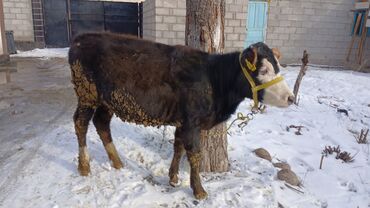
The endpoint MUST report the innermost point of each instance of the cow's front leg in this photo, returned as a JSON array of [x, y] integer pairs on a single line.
[[190, 140]]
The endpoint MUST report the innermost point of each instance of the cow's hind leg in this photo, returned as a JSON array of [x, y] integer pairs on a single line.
[[190, 138], [81, 119], [177, 155], [102, 118]]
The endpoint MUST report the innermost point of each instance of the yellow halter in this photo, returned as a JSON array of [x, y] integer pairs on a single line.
[[255, 88]]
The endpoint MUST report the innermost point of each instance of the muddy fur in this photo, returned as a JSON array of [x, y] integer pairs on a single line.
[[155, 84]]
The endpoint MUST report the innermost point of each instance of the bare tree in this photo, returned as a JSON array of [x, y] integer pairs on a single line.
[[205, 20]]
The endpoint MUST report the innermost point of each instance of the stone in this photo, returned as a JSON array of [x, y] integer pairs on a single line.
[[281, 165], [262, 153], [289, 177]]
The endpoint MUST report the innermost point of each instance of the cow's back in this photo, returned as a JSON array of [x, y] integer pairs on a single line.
[[131, 77]]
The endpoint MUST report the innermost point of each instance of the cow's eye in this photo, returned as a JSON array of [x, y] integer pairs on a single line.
[[263, 70]]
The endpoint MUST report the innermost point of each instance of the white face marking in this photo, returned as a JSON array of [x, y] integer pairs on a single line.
[[277, 94]]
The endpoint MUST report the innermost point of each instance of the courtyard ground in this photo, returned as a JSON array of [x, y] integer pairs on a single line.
[[38, 148]]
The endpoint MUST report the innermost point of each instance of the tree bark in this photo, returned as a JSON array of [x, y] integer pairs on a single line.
[[205, 20]]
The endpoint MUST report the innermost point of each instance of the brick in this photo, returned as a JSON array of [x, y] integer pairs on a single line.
[[233, 22], [232, 36], [241, 16], [170, 4], [228, 29], [162, 26], [179, 12], [180, 35], [169, 19], [162, 11], [181, 20], [21, 16], [169, 34], [158, 18], [178, 27]]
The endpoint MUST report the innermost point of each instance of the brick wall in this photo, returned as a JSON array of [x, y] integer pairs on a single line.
[[149, 20], [170, 21], [235, 24], [18, 17], [321, 27], [2, 33], [165, 20]]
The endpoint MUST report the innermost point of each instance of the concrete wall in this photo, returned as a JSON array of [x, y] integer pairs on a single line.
[[321, 27], [18, 17], [165, 20]]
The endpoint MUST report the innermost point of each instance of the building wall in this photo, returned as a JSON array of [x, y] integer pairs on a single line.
[[18, 17], [169, 22], [321, 27], [149, 20], [2, 34], [235, 24]]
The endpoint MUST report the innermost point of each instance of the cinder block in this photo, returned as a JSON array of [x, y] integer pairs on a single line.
[[181, 20], [233, 22], [232, 36], [169, 3], [178, 27], [162, 26], [162, 11], [241, 16], [169, 34], [169, 19], [179, 12]]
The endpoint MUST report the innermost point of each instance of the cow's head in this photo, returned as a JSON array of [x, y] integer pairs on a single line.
[[262, 63]]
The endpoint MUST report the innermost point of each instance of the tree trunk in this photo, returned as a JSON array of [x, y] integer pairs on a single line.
[[205, 20]]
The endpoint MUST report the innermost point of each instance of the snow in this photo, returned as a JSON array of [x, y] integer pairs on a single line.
[[43, 53], [48, 176]]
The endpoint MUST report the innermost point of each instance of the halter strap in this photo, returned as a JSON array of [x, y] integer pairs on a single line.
[[255, 88]]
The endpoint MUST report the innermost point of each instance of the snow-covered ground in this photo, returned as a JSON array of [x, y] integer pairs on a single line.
[[43, 53], [43, 173]]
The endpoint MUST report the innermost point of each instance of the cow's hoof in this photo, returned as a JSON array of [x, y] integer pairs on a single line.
[[174, 181], [117, 164], [84, 169], [200, 195]]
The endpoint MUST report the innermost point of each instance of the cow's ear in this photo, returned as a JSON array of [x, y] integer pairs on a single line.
[[251, 55], [276, 53]]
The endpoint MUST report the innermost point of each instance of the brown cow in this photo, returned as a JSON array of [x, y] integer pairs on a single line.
[[155, 84]]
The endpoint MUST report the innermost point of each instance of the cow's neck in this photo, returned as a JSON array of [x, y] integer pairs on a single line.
[[229, 85]]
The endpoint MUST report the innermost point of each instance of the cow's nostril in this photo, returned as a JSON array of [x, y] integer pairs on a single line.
[[291, 99]]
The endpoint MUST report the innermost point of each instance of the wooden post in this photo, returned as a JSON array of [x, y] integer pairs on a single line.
[[302, 72], [205, 23], [357, 25], [363, 38]]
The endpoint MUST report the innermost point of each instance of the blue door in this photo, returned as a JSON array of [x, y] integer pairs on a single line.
[[256, 22]]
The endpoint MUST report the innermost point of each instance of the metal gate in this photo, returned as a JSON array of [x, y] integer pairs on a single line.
[[55, 20], [82, 16]]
